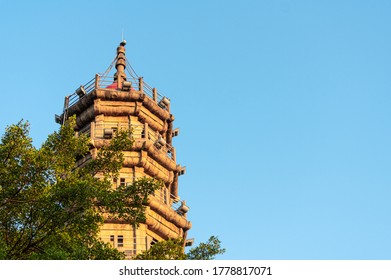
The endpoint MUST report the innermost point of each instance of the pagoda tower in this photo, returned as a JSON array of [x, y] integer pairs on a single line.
[[107, 104]]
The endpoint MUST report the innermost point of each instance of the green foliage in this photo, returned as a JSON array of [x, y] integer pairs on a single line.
[[172, 249], [49, 209], [206, 251]]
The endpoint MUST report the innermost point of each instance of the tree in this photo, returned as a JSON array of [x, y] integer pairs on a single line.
[[172, 249], [49, 209], [206, 251]]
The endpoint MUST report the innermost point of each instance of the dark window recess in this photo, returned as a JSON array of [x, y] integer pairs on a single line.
[[120, 241], [107, 133], [154, 241], [122, 181]]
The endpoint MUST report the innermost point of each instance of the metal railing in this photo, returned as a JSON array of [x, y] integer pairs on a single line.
[[175, 202], [83, 90], [165, 197], [90, 86], [107, 130], [102, 82], [131, 246]]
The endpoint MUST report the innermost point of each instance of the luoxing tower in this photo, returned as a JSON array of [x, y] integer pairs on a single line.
[[107, 104]]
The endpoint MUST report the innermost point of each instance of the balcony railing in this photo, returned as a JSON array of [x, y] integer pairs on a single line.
[[104, 82], [131, 246], [107, 130], [164, 196], [175, 202]]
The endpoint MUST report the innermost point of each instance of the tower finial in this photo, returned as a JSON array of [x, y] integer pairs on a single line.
[[120, 65]]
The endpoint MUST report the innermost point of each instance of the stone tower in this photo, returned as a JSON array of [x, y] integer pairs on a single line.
[[107, 104]]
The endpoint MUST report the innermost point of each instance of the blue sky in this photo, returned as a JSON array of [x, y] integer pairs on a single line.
[[283, 109]]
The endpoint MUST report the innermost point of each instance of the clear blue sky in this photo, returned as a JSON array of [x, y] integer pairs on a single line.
[[284, 109]]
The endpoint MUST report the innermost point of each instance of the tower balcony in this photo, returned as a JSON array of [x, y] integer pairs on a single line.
[[166, 215], [140, 133], [101, 97], [174, 202], [133, 84]]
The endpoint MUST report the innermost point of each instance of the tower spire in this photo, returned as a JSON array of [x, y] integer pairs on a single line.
[[120, 65]]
